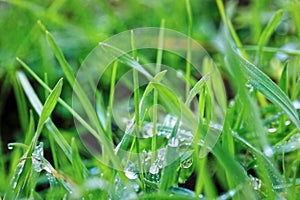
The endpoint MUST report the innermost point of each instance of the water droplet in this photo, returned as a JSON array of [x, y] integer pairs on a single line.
[[130, 171], [291, 145], [37, 158], [122, 191], [154, 169], [94, 171], [10, 146], [146, 130], [256, 183], [17, 174], [185, 137], [166, 129], [296, 104], [52, 180], [249, 86], [173, 142], [272, 130], [131, 175], [288, 122], [268, 151], [187, 163]]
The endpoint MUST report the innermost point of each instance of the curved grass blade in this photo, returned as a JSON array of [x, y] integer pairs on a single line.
[[269, 89], [267, 32], [37, 105], [196, 89]]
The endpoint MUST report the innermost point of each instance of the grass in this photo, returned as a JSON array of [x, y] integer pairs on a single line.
[[232, 133]]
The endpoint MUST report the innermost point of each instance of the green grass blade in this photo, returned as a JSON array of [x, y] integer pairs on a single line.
[[196, 89], [77, 164], [189, 53], [269, 89], [61, 59], [228, 23], [30, 131], [36, 104], [267, 32], [21, 104], [50, 103], [284, 80]]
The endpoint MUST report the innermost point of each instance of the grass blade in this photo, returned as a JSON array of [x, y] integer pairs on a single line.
[[197, 88], [267, 32], [37, 105], [269, 89], [50, 103]]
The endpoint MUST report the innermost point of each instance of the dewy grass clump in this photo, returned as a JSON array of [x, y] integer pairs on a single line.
[[180, 127]]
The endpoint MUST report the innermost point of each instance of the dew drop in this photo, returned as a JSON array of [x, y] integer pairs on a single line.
[[131, 175], [173, 142], [272, 130], [269, 152], [10, 146], [288, 122], [130, 171], [52, 180], [17, 174], [187, 163], [256, 183], [154, 169], [37, 158]]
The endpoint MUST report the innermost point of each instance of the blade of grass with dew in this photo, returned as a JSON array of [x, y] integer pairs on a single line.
[[296, 90], [127, 138], [63, 103], [169, 173], [126, 59], [272, 177], [155, 95], [203, 179], [267, 32], [174, 105], [24, 175], [251, 111], [231, 166], [71, 79], [136, 96], [269, 89], [35, 102], [84, 100], [51, 127]]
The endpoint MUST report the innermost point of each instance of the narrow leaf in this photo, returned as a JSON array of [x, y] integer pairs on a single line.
[[267, 32], [269, 89], [50, 103], [197, 88]]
